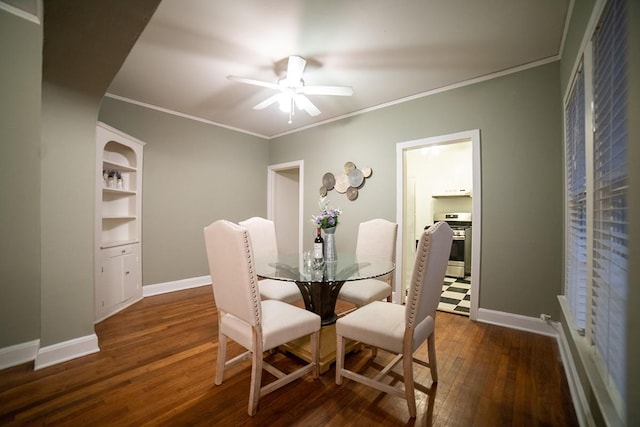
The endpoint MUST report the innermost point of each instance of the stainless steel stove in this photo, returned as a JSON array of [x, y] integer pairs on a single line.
[[460, 257]]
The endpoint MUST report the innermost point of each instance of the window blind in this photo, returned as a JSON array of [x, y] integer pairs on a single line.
[[576, 187], [610, 223]]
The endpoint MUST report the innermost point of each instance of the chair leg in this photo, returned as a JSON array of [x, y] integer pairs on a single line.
[[433, 364], [256, 380], [339, 358], [222, 355], [409, 386]]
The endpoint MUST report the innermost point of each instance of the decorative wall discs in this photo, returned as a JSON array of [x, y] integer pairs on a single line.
[[350, 181]]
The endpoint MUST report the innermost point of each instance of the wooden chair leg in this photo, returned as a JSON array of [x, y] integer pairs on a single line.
[[222, 356], [433, 363], [409, 386], [339, 358], [256, 374]]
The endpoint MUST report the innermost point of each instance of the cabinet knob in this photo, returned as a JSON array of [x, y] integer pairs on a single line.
[[126, 272], [124, 250]]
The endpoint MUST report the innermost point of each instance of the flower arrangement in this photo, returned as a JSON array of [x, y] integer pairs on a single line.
[[328, 215]]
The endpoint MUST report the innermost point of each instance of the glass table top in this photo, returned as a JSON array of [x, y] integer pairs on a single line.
[[348, 267]]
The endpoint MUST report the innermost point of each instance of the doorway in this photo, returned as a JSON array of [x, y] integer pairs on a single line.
[[284, 204], [413, 213]]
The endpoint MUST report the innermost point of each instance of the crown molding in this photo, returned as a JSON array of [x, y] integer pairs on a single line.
[[36, 19]]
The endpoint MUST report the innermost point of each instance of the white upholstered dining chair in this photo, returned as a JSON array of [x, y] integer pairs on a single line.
[[376, 238], [402, 329], [256, 325], [265, 244]]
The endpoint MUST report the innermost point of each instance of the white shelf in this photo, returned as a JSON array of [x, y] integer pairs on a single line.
[[115, 243], [444, 195], [119, 217], [112, 165], [118, 191]]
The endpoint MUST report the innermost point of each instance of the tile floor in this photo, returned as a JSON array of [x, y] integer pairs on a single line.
[[456, 296]]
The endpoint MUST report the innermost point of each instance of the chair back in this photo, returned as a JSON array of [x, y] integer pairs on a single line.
[[263, 236], [428, 274], [377, 237], [233, 275]]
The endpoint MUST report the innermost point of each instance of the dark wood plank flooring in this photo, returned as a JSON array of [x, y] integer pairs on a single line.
[[157, 363]]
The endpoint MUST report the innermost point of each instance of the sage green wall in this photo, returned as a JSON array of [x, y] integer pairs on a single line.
[[84, 46], [20, 77], [520, 120], [66, 214], [194, 174]]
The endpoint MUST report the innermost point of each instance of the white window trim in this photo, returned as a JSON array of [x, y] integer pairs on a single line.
[[607, 397]]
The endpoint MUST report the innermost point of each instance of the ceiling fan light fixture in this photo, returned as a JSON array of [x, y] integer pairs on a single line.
[[292, 90], [284, 102]]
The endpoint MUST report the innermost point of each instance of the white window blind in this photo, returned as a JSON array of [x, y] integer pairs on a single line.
[[610, 223], [576, 187]]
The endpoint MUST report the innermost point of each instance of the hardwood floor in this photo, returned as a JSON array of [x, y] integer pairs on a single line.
[[157, 363]]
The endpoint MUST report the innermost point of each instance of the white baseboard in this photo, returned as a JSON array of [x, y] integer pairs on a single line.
[[67, 350], [178, 285], [18, 354], [517, 321]]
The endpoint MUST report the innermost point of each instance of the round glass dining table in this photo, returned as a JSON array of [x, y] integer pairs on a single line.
[[320, 286]]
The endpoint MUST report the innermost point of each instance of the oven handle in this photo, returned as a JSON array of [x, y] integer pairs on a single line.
[[458, 237]]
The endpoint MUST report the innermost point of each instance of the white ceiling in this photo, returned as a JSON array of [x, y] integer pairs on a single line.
[[387, 50]]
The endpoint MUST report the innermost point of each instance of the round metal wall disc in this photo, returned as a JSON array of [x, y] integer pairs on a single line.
[[356, 178], [348, 167], [328, 180], [352, 193], [342, 183]]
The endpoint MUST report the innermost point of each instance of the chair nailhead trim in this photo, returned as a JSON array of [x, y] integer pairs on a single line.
[[253, 285], [417, 285]]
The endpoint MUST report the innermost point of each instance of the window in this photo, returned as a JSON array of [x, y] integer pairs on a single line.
[[576, 187], [596, 144], [610, 225]]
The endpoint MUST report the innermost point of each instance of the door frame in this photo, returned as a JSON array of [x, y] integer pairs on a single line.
[[272, 171], [476, 208]]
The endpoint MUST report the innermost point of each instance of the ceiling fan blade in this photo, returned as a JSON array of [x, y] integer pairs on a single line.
[[327, 90], [264, 104], [254, 82], [295, 68], [303, 103]]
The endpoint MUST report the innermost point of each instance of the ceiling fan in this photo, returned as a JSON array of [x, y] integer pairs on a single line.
[[292, 90]]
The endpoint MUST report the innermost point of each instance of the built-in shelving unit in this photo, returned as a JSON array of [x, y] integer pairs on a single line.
[[118, 275]]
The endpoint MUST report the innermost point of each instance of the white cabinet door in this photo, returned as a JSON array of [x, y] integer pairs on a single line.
[[112, 281], [119, 279], [130, 275]]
